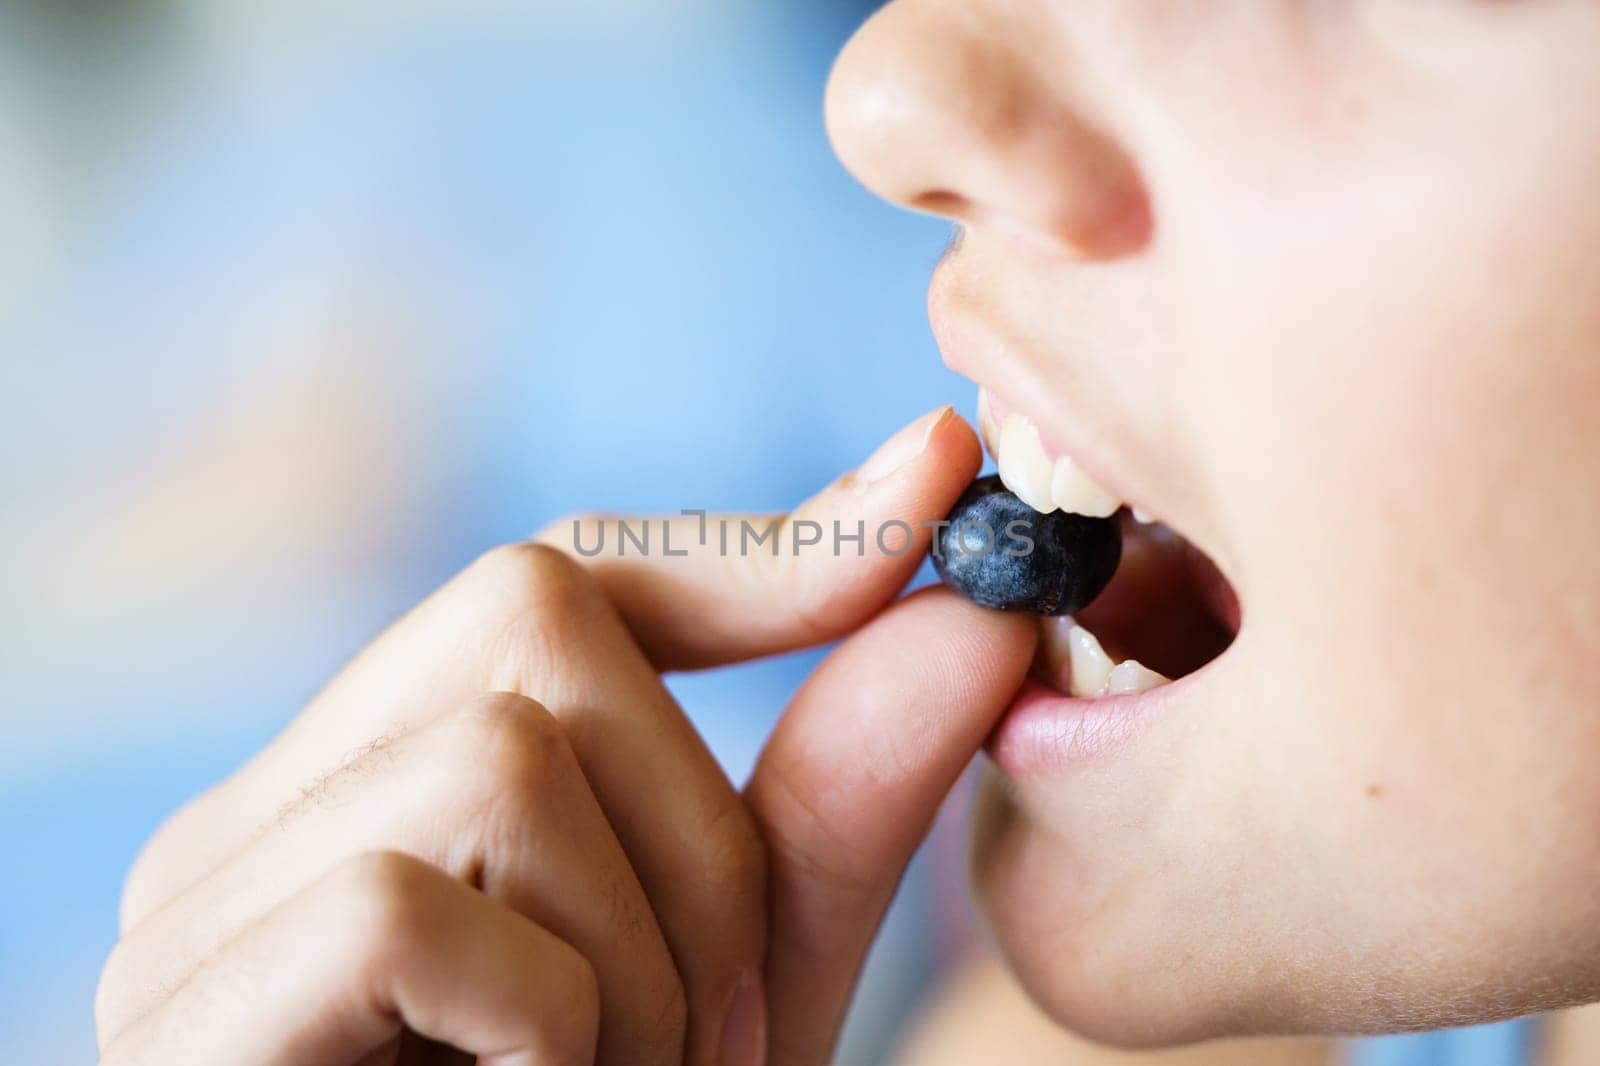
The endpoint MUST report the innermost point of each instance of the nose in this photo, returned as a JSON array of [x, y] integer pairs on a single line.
[[944, 107]]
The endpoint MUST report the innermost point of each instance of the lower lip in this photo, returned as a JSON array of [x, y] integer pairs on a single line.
[[1044, 734]]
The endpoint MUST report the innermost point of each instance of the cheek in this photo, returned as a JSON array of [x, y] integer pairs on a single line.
[[1393, 349], [1410, 365], [1422, 570], [1390, 393], [1407, 470]]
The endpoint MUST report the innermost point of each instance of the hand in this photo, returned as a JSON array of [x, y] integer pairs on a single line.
[[572, 879]]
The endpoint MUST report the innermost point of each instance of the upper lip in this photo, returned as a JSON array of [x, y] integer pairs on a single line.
[[979, 350], [1075, 405], [983, 339]]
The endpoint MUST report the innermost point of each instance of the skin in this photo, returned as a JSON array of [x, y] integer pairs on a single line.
[[1312, 282], [1315, 283], [981, 1015], [431, 863]]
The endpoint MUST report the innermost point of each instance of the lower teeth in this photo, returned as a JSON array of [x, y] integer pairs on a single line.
[[1133, 676], [1079, 666]]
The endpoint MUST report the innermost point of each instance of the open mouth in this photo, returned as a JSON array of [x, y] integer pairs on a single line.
[[1167, 612]]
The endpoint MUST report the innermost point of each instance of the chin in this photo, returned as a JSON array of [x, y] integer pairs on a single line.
[[1150, 946], [1136, 956]]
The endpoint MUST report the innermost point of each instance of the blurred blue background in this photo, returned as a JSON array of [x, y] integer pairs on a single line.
[[306, 305], [303, 306]]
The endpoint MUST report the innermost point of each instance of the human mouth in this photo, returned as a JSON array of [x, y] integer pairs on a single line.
[[1082, 703], [1166, 615]]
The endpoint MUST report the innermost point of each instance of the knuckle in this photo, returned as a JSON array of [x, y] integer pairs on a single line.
[[509, 750], [386, 899], [534, 581], [530, 605]]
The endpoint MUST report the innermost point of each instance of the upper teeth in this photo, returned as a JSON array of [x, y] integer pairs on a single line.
[[1080, 666], [1041, 483]]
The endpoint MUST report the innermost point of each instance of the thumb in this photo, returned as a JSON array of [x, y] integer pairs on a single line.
[[850, 782], [701, 590]]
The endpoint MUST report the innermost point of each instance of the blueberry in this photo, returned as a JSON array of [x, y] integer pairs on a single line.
[[998, 552]]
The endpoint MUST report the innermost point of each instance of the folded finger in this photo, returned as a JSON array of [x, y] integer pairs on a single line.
[[528, 619], [381, 944], [493, 795]]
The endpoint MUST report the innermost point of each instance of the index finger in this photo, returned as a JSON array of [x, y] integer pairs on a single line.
[[702, 590]]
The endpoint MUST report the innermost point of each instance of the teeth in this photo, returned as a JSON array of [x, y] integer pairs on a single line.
[[1091, 666], [1072, 490], [1079, 666], [1071, 652], [1143, 517], [1132, 676], [1024, 467], [1041, 483]]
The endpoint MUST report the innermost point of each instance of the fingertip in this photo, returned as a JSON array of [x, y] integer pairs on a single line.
[[777, 583], [957, 433], [953, 458], [939, 444], [902, 449], [881, 520], [924, 492]]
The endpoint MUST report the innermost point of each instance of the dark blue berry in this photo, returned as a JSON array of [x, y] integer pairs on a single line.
[[998, 552]]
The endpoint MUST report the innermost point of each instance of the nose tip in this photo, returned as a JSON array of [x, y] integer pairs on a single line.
[[947, 116]]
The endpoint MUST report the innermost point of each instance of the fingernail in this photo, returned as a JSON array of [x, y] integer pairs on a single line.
[[903, 447], [744, 1032]]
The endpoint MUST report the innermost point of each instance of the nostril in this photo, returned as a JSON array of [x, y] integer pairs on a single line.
[[942, 202]]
